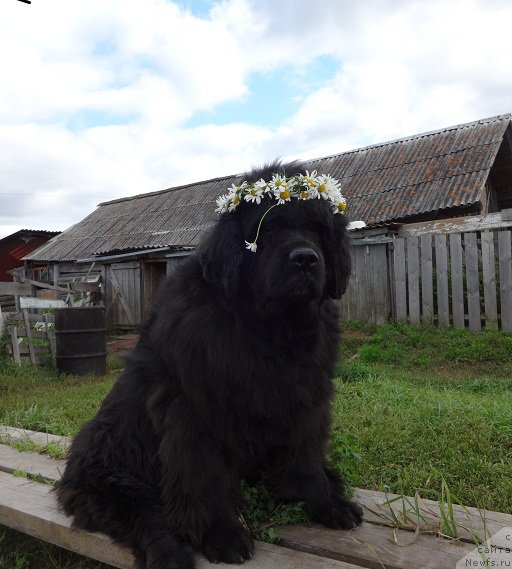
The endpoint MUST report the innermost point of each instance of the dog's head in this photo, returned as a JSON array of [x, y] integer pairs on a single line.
[[302, 249]]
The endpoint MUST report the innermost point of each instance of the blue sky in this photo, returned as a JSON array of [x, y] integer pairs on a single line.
[[100, 100], [273, 96]]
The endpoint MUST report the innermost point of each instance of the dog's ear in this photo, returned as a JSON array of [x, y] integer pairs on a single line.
[[221, 254], [340, 261]]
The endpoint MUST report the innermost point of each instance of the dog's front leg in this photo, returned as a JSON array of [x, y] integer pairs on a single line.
[[199, 491], [303, 475]]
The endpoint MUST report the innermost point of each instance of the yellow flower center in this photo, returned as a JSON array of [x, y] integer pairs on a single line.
[[342, 206], [304, 195], [236, 200], [321, 188], [284, 195]]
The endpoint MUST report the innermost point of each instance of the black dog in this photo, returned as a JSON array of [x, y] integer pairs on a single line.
[[231, 379]]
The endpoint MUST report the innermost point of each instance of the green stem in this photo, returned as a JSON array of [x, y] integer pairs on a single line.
[[261, 221]]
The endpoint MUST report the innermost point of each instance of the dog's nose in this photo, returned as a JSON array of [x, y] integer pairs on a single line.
[[304, 257]]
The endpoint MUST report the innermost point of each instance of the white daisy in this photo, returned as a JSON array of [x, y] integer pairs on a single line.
[[251, 246], [222, 203], [254, 192]]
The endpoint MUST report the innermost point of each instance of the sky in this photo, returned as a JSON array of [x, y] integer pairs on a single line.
[[102, 99]]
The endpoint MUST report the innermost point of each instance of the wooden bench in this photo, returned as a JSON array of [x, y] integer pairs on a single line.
[[398, 532]]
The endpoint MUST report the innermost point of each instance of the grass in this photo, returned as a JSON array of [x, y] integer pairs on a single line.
[[418, 411]]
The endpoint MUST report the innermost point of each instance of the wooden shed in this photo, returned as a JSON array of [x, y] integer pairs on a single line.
[[459, 171]]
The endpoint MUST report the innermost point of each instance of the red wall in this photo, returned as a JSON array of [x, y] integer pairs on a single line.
[[13, 250]]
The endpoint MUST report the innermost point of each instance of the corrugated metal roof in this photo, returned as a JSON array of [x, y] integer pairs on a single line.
[[382, 183]]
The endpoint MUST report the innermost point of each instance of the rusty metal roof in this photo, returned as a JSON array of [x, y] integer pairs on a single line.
[[383, 183]]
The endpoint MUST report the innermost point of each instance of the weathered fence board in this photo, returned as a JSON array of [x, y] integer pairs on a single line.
[[505, 263], [427, 291], [489, 280], [400, 280], [413, 279], [368, 296], [457, 274], [443, 305], [472, 282]]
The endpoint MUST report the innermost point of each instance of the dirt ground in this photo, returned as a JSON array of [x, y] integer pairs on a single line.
[[121, 345]]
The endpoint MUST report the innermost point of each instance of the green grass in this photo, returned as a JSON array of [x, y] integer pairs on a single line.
[[40, 400], [423, 406], [417, 410]]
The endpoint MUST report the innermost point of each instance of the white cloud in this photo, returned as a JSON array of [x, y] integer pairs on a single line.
[[95, 97]]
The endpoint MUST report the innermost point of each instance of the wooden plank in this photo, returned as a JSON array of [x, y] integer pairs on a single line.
[[505, 262], [376, 546], [381, 283], [119, 295], [458, 224], [29, 507], [19, 317], [383, 509], [443, 308], [392, 510], [400, 280], [489, 280], [15, 289], [28, 332], [472, 281], [387, 509], [413, 279], [458, 310], [427, 289], [373, 295], [30, 302], [31, 463], [45, 285], [50, 335], [13, 332], [42, 439], [506, 214]]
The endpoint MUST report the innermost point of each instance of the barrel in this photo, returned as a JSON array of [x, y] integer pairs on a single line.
[[80, 338]]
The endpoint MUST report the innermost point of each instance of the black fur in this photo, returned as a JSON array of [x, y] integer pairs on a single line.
[[231, 379]]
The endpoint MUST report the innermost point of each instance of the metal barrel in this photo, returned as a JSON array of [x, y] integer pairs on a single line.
[[80, 338]]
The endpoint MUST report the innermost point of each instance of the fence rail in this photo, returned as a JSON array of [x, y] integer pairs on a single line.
[[459, 279]]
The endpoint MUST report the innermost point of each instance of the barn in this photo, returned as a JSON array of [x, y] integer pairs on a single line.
[[457, 172]]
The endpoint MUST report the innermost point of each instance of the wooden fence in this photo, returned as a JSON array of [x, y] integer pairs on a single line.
[[460, 279]]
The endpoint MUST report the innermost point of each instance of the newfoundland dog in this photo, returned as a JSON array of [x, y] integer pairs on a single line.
[[231, 380]]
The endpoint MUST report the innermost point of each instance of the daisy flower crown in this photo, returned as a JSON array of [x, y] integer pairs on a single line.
[[283, 189]]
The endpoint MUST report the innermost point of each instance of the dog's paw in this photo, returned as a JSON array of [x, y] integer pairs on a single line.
[[227, 545], [163, 555], [344, 514]]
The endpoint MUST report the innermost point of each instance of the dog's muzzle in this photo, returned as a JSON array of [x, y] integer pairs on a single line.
[[303, 258]]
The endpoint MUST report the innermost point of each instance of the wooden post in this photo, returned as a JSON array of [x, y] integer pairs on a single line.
[[31, 351], [489, 278], [457, 280], [443, 305], [427, 291], [505, 255], [400, 280], [14, 343], [472, 282], [49, 336]]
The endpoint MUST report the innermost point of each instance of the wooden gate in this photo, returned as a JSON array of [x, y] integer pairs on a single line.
[[368, 297], [124, 301]]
